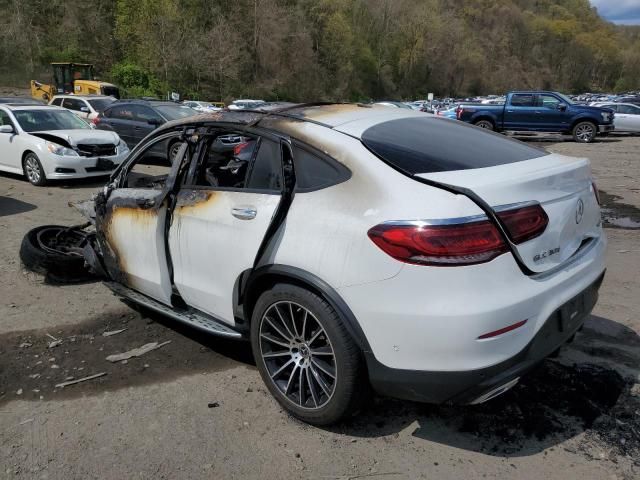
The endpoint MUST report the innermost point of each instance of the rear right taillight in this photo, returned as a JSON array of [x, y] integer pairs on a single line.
[[440, 245], [524, 223], [458, 243]]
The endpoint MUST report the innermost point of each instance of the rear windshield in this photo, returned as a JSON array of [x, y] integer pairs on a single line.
[[430, 144]]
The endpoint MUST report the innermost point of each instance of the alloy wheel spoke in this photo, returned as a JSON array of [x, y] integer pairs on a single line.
[[280, 353], [273, 339], [288, 338], [326, 350], [320, 381], [290, 381], [304, 324], [315, 335], [301, 399], [293, 321], [312, 388], [325, 367], [281, 369], [283, 321]]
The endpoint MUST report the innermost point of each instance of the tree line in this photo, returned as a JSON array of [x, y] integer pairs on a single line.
[[322, 49]]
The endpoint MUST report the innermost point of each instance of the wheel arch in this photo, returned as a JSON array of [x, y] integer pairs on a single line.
[[584, 119], [486, 117], [24, 156], [251, 284]]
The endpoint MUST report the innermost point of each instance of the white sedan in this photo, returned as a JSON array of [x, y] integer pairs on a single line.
[[627, 117], [47, 142]]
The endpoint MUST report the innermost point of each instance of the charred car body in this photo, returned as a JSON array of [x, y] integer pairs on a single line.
[[356, 246]]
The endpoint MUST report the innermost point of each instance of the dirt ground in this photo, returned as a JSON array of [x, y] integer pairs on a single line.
[[196, 408]]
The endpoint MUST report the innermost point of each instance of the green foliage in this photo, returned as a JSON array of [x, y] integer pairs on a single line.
[[324, 49]]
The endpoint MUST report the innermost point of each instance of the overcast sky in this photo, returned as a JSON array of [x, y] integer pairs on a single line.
[[619, 11]]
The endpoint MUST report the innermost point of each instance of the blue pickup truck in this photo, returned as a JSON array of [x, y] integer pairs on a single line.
[[540, 112]]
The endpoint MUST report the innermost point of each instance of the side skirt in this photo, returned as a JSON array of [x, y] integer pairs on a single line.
[[191, 317]]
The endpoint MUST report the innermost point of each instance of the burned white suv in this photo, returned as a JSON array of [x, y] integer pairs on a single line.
[[355, 246]]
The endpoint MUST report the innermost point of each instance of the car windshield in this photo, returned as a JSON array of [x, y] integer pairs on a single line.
[[39, 120], [99, 104], [175, 112]]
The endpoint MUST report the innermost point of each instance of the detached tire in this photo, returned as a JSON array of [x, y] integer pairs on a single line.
[[56, 267], [585, 132], [306, 357]]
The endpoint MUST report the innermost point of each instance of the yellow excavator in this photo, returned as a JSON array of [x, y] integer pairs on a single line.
[[77, 78]]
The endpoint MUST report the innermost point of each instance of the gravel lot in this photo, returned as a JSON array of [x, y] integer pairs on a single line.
[[196, 408]]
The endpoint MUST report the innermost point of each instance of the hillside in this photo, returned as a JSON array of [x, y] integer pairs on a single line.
[[323, 49]]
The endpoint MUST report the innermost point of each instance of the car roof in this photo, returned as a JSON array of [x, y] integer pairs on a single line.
[[20, 101], [84, 97], [143, 102], [330, 115], [23, 106]]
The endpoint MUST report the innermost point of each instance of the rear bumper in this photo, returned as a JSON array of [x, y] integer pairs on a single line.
[[606, 128], [475, 386]]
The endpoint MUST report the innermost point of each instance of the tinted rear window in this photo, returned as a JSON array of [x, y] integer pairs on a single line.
[[428, 144]]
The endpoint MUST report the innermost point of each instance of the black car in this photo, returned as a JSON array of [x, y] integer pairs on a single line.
[[133, 120]]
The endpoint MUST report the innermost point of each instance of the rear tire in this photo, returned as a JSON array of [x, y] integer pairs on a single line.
[[33, 170], [306, 357], [486, 124], [585, 132]]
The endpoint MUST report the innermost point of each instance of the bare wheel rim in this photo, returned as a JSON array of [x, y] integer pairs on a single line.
[[298, 355], [32, 169], [173, 152], [584, 132]]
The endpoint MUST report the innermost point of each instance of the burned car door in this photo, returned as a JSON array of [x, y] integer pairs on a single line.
[[132, 223], [221, 215]]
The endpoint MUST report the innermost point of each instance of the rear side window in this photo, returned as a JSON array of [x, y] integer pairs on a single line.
[[57, 101], [430, 144], [522, 100], [266, 172], [315, 171]]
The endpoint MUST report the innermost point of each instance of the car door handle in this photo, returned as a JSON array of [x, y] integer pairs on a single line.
[[509, 111], [244, 213]]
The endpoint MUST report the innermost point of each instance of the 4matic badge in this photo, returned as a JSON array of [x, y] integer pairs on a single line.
[[545, 254]]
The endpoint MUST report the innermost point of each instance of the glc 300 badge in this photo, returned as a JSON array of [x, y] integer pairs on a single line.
[[545, 254]]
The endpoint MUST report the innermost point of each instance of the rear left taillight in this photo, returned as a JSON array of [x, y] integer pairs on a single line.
[[524, 223], [95, 121], [442, 245], [457, 243], [459, 111]]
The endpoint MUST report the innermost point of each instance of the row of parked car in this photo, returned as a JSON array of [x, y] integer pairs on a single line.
[[79, 136], [82, 136]]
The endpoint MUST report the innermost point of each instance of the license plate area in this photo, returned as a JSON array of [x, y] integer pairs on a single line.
[[573, 312], [105, 164]]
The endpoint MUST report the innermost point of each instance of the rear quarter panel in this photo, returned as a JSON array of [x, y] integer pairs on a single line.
[[325, 232]]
